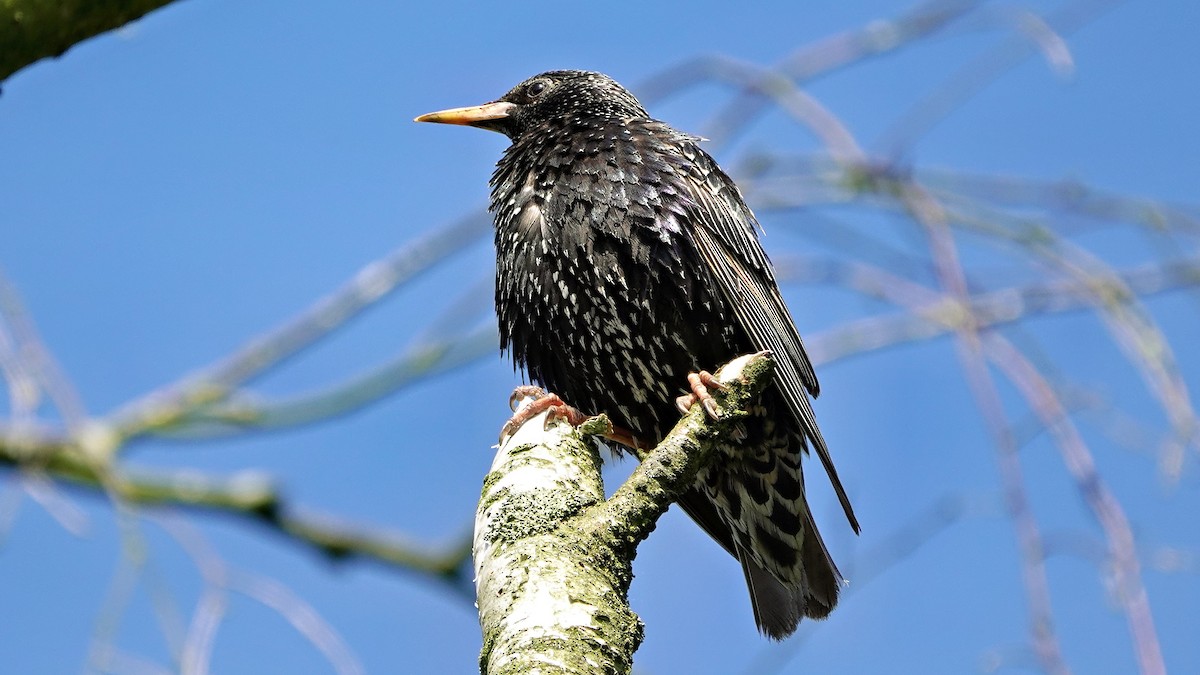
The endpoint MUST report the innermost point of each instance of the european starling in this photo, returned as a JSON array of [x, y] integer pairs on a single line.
[[627, 259]]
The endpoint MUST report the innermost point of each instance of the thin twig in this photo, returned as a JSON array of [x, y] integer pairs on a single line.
[[952, 278], [972, 78], [370, 285]]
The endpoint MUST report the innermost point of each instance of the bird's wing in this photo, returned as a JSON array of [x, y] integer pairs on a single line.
[[727, 243]]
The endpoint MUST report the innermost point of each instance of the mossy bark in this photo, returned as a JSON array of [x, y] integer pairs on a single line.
[[554, 558]]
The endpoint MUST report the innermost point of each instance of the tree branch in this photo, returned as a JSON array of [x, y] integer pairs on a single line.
[[31, 30], [247, 494], [554, 559]]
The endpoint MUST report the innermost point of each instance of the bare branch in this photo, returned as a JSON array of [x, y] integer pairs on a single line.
[[249, 495]]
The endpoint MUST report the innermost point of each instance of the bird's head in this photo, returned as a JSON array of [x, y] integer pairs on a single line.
[[557, 97]]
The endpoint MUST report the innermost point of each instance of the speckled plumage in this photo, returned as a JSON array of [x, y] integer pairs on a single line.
[[625, 260]]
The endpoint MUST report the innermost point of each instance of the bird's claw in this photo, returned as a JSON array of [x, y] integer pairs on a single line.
[[522, 392], [700, 383]]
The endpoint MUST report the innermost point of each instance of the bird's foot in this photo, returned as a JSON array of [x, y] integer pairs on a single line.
[[700, 383], [540, 401]]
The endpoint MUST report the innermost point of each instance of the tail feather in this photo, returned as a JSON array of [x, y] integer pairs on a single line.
[[778, 606], [823, 581]]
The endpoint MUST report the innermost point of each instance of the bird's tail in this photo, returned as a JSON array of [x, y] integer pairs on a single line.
[[789, 577], [779, 606]]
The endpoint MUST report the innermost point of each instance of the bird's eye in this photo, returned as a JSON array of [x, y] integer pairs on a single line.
[[536, 88]]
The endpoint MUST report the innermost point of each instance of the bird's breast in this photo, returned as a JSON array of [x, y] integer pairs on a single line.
[[596, 287]]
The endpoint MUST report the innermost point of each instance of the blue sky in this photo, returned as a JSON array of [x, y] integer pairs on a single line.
[[175, 188]]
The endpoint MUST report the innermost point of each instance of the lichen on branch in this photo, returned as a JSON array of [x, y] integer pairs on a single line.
[[553, 557]]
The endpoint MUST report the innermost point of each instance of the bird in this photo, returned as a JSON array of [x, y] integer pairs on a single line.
[[627, 261]]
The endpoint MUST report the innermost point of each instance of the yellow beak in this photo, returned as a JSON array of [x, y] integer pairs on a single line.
[[474, 116]]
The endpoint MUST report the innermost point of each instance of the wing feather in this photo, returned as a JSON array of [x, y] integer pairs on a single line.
[[726, 241]]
